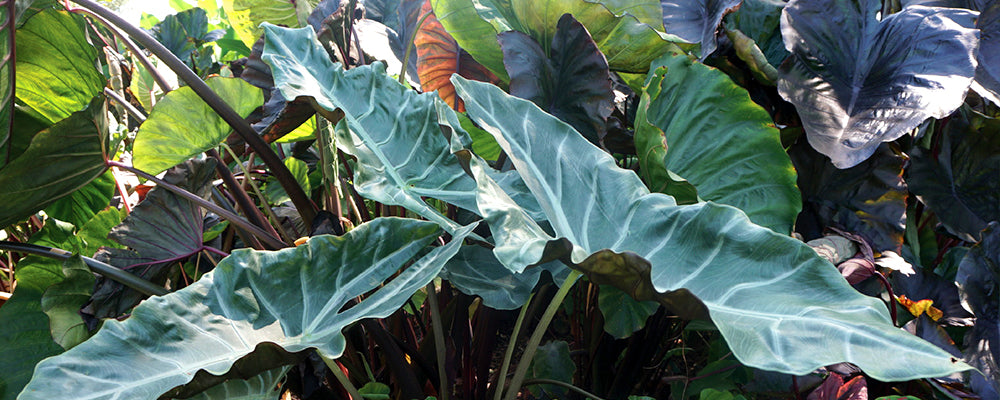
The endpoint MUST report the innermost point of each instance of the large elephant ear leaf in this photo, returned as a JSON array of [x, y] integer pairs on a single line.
[[694, 121], [857, 81], [987, 82], [778, 305], [293, 298], [696, 20]]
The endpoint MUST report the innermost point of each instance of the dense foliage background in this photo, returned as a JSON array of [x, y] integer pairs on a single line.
[[503, 199]]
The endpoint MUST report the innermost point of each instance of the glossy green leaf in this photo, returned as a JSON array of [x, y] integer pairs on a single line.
[[622, 314], [7, 81], [55, 65], [62, 302], [246, 16], [749, 277], [960, 184], [26, 335], [182, 125], [857, 81], [978, 280], [276, 194], [260, 387], [60, 160], [401, 159], [573, 84], [292, 298], [83, 204], [552, 361], [760, 20], [624, 31], [694, 121], [696, 21]]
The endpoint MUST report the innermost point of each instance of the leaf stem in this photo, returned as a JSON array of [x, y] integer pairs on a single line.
[[269, 239], [276, 227], [409, 46], [303, 205], [342, 378], [111, 272], [542, 381], [536, 336], [511, 344], [439, 346]]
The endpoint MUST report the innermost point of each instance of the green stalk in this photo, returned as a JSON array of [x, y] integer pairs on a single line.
[[536, 336], [409, 47], [511, 344], [280, 230], [344, 381], [439, 347]]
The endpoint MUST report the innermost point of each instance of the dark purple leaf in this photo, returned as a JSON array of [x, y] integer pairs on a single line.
[[696, 20], [835, 388], [960, 184], [987, 82], [573, 84], [278, 115], [925, 328], [162, 230], [857, 81], [924, 284], [868, 199], [979, 281]]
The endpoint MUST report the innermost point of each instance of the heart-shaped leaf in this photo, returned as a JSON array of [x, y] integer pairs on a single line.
[[573, 84], [246, 16], [748, 277], [694, 121], [695, 21], [293, 298], [167, 139], [857, 81]]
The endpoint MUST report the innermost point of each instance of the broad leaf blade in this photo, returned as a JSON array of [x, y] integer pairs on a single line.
[[60, 160], [63, 300], [167, 137], [961, 184], [401, 158], [987, 82], [55, 65], [695, 21], [80, 206], [694, 121], [260, 387], [749, 278], [246, 16], [292, 298], [979, 283], [857, 82]]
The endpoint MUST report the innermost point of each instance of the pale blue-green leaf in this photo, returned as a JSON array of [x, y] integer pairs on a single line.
[[292, 298], [750, 278], [476, 271], [402, 156], [260, 387]]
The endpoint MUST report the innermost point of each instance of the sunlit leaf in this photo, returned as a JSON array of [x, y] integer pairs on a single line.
[[183, 125], [694, 121], [55, 65], [748, 277], [7, 24], [439, 56], [80, 206], [696, 21], [60, 160], [624, 31], [293, 298], [857, 81], [246, 16]]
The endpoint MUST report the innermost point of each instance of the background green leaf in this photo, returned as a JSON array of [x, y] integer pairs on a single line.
[[80, 206], [694, 121], [62, 302], [182, 125]]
